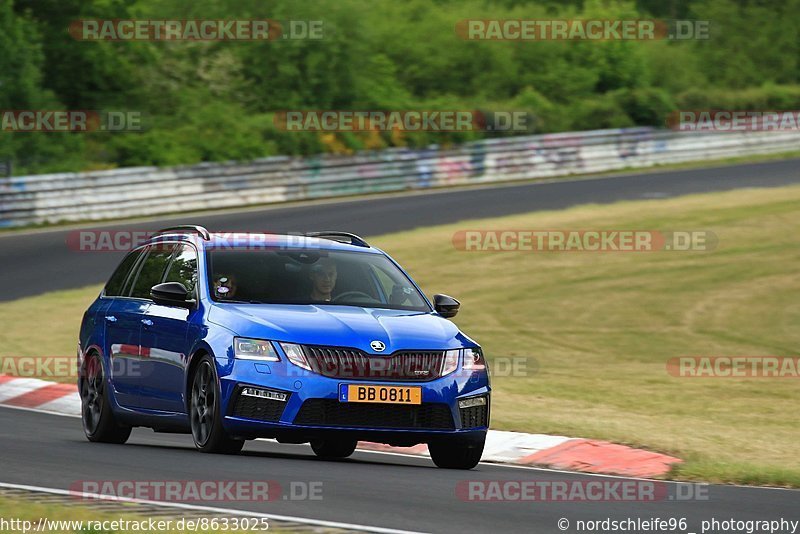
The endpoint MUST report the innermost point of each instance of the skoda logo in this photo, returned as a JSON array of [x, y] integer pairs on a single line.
[[377, 346]]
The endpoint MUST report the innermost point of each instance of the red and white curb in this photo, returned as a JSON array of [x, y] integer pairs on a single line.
[[557, 452], [40, 395]]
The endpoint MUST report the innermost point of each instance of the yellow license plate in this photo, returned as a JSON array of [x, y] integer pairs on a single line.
[[380, 394]]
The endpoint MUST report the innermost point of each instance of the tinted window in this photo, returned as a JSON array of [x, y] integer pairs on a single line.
[[115, 283], [311, 277], [152, 270], [183, 268]]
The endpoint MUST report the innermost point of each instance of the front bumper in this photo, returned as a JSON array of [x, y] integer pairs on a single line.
[[312, 409]]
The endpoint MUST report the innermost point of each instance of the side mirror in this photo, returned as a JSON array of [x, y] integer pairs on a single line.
[[446, 306], [171, 294]]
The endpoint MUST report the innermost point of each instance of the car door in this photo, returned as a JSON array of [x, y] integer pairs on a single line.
[[121, 326], [164, 337], [131, 368]]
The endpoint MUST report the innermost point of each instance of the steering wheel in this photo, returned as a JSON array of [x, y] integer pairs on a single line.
[[346, 294]]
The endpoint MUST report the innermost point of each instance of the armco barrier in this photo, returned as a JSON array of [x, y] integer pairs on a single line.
[[151, 190]]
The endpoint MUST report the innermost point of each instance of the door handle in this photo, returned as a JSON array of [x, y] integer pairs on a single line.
[[147, 322], [111, 319]]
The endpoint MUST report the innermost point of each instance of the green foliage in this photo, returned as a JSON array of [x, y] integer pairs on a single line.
[[767, 97], [601, 111], [211, 101], [646, 105], [22, 87]]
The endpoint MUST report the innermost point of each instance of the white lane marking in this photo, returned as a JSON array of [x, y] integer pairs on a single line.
[[493, 464], [199, 508]]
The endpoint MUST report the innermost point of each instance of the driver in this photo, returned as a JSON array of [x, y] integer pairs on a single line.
[[323, 279]]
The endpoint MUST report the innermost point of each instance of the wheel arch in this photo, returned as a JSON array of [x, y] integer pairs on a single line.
[[194, 361], [90, 351]]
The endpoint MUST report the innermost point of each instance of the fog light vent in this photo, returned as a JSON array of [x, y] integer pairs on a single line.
[[472, 402], [265, 394]]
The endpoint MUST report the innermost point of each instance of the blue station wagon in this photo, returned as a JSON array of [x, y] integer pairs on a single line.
[[317, 338]]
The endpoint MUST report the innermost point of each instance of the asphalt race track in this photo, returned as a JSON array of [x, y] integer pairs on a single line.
[[38, 262], [370, 489]]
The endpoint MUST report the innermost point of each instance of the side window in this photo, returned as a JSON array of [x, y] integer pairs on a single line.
[[152, 270], [183, 268], [117, 280]]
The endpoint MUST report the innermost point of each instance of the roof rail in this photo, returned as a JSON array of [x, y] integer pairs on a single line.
[[341, 237], [185, 229]]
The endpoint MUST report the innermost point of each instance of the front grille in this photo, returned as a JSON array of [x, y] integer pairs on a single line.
[[338, 362], [331, 412], [258, 408], [474, 416]]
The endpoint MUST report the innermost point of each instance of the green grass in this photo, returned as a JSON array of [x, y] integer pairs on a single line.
[[600, 328]]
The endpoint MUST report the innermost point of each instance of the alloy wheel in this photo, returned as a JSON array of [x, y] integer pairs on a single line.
[[92, 395], [203, 403]]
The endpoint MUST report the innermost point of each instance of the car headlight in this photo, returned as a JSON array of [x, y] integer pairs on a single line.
[[254, 349], [296, 355], [473, 360], [450, 363]]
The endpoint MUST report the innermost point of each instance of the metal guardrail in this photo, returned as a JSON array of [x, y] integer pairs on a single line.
[[138, 191], [6, 167]]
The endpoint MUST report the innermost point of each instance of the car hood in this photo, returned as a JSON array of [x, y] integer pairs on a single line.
[[341, 326]]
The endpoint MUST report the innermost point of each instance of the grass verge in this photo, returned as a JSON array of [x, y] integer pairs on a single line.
[[597, 329]]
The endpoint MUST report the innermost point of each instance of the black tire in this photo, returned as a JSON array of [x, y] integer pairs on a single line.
[[204, 412], [98, 420], [333, 448], [456, 453]]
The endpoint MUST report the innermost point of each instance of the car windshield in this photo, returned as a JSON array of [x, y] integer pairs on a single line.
[[305, 276]]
